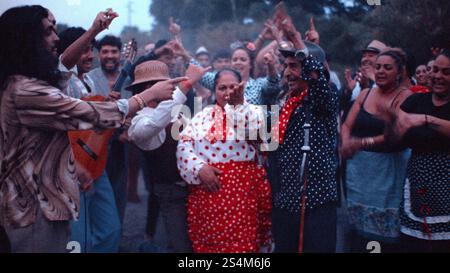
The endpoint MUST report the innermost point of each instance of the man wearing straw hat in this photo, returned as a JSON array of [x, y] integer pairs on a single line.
[[150, 131]]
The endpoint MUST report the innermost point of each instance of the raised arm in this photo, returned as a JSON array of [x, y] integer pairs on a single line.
[[312, 35], [72, 54]]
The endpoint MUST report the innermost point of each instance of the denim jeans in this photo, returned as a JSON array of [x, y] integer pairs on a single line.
[[98, 228]]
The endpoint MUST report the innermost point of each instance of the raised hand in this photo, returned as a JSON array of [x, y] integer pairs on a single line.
[[103, 20], [174, 28], [164, 50], [270, 58], [312, 35], [194, 74], [236, 97], [292, 34], [177, 48], [208, 175], [280, 14], [365, 75], [350, 83], [271, 32]]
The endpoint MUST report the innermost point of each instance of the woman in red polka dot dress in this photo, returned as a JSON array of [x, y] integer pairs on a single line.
[[230, 202]]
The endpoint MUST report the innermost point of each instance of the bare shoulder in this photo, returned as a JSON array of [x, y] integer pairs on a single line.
[[362, 95], [404, 93]]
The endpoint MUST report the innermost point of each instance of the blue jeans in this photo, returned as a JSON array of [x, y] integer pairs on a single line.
[[98, 228]]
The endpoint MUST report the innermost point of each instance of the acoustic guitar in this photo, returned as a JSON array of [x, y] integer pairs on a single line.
[[90, 148]]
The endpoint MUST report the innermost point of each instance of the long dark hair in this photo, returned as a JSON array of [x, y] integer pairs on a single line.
[[23, 50], [251, 56]]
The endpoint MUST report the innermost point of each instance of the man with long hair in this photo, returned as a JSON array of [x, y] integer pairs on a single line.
[[38, 176], [32, 53]]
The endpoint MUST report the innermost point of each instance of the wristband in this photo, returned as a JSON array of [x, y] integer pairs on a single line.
[[140, 101], [186, 85]]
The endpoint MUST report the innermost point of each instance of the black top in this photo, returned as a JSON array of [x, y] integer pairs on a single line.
[[424, 138], [367, 124], [162, 162]]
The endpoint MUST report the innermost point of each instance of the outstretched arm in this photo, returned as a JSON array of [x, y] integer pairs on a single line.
[[72, 54]]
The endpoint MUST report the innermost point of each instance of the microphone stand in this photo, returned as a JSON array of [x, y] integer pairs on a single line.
[[306, 149]]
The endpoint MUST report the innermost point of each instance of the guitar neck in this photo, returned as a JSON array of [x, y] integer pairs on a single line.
[[124, 73]]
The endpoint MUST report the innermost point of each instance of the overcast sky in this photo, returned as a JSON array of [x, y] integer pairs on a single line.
[[82, 12]]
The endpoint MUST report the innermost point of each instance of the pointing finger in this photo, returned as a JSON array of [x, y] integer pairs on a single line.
[[177, 80], [209, 68], [311, 24]]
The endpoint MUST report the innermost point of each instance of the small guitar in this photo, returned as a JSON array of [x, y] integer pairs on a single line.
[[90, 148]]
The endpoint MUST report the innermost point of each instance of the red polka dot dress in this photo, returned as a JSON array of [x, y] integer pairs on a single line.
[[236, 219]]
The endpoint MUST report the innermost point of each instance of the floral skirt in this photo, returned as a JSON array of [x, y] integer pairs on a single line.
[[374, 192], [237, 218]]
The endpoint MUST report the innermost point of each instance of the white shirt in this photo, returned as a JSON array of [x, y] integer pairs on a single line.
[[196, 148], [76, 89], [147, 129]]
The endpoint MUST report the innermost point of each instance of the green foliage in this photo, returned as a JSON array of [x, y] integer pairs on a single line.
[[412, 25]]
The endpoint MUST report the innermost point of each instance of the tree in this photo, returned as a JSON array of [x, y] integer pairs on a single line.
[[412, 25], [345, 29]]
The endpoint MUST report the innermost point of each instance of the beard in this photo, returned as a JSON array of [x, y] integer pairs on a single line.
[[110, 68], [48, 66], [48, 58]]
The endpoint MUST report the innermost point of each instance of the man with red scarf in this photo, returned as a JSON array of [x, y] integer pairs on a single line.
[[304, 210]]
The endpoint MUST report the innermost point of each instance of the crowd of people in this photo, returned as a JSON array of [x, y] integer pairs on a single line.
[[278, 146]]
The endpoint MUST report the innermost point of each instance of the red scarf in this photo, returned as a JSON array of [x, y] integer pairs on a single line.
[[218, 130], [280, 127], [420, 89]]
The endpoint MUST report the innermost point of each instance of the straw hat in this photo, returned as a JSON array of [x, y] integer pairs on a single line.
[[149, 71]]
